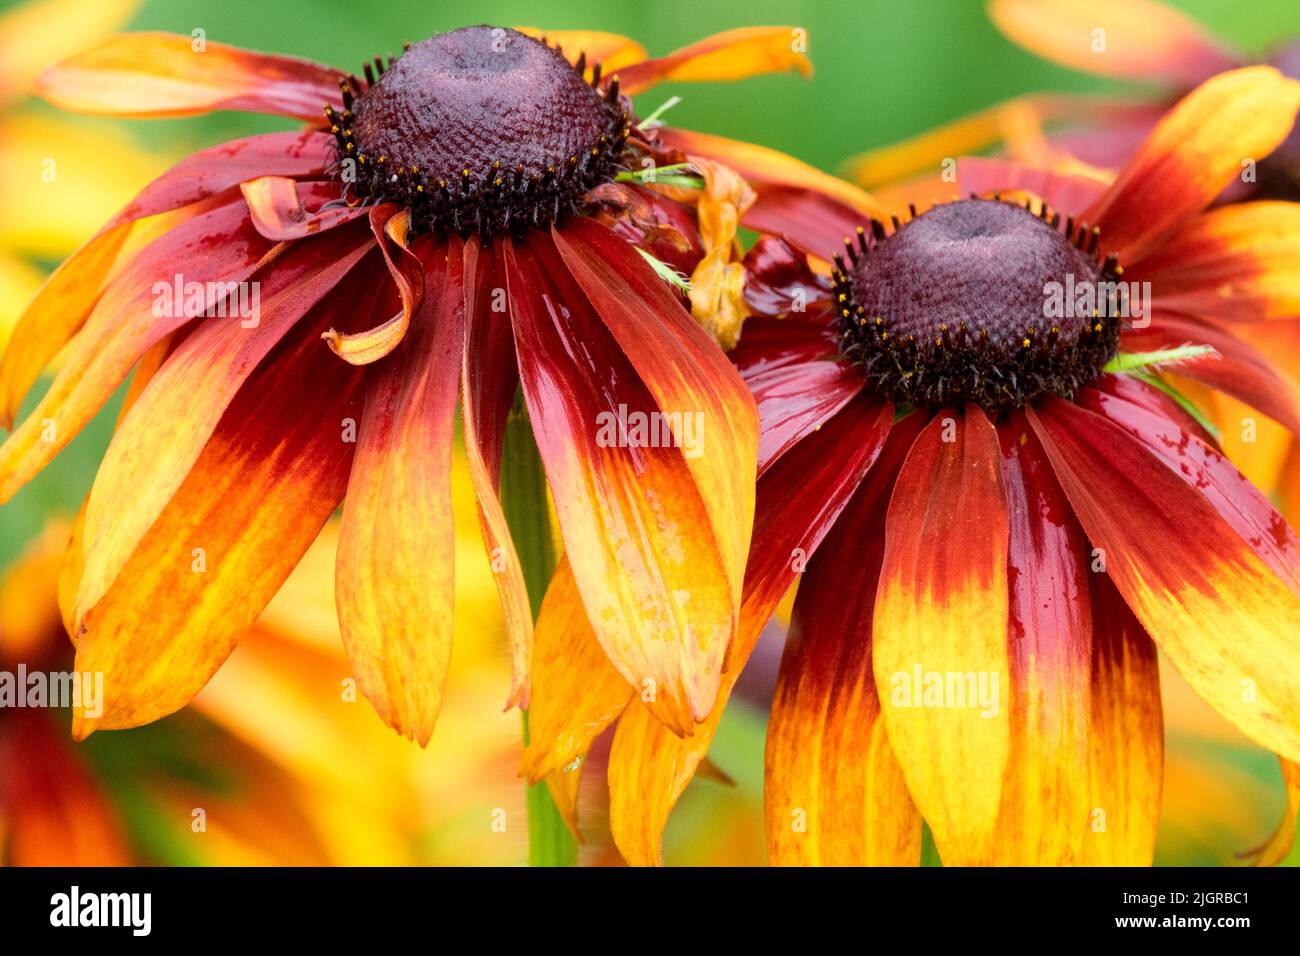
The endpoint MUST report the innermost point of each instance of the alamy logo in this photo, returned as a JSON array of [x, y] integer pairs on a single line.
[[1092, 298], [38, 689], [956, 690], [624, 429], [179, 299], [74, 908]]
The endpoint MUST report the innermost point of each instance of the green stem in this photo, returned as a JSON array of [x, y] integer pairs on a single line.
[[523, 498]]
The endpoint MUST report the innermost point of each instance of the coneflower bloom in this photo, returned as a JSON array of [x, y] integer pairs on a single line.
[[999, 513], [452, 224]]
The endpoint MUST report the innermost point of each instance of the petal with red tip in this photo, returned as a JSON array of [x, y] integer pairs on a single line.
[[1213, 605], [940, 654], [162, 74]]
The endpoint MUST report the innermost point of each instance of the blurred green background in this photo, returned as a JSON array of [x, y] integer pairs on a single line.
[[885, 70]]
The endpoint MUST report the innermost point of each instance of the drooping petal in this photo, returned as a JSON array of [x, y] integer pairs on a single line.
[[731, 55], [1223, 617], [1126, 739], [1239, 262], [265, 484], [834, 794], [799, 499], [389, 223], [395, 580], [162, 74], [278, 206], [1045, 799], [158, 442], [1143, 39], [940, 628], [204, 256], [621, 429], [576, 691], [1200, 147], [611, 50]]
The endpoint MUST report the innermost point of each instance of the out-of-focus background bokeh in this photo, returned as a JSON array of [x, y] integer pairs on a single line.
[[275, 763]]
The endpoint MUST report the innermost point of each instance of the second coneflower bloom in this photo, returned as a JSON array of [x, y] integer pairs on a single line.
[[465, 220], [999, 511]]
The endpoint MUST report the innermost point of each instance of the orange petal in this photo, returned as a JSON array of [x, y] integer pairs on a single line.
[[834, 792], [395, 578], [267, 480], [362, 348], [1238, 262], [731, 55], [611, 50], [1213, 605], [160, 439], [576, 691], [1199, 147], [942, 610], [1133, 38], [217, 247], [1126, 737], [161, 74]]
